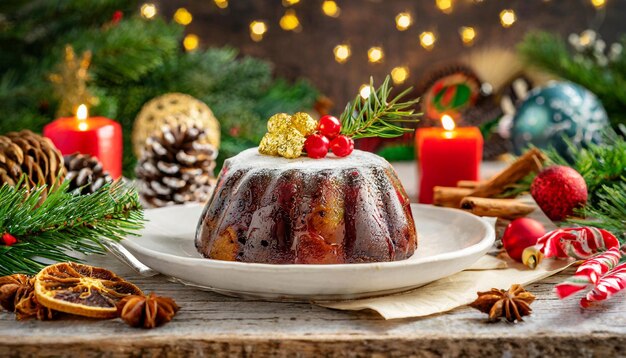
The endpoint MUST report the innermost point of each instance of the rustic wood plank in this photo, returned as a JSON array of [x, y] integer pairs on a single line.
[[212, 324]]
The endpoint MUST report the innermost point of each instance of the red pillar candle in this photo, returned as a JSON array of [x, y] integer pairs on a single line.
[[447, 155], [98, 136]]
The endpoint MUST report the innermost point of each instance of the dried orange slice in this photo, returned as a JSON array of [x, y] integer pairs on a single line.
[[82, 289]]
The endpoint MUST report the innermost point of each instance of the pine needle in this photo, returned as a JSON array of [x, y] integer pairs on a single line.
[[377, 116], [63, 224], [610, 211]]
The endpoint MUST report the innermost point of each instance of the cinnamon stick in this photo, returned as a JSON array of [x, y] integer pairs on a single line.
[[449, 196], [524, 165], [502, 208], [470, 184]]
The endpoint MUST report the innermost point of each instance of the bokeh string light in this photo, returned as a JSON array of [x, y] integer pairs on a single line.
[[444, 5], [342, 53], [468, 35], [148, 10], [222, 4], [399, 74], [191, 42], [183, 16], [598, 3], [258, 28], [365, 90], [289, 21], [375, 54], [427, 40], [330, 8], [507, 18], [403, 21]]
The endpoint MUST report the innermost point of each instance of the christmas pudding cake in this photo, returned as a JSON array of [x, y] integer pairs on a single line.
[[273, 205], [268, 209]]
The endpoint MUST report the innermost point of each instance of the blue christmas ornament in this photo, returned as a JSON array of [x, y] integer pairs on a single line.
[[560, 109]]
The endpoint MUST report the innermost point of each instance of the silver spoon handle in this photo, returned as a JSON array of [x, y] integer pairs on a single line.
[[126, 257]]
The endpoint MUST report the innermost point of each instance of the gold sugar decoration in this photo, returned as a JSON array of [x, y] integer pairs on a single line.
[[286, 134]]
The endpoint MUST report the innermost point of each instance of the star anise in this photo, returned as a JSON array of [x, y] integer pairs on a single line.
[[146, 311], [511, 304], [17, 295], [12, 287]]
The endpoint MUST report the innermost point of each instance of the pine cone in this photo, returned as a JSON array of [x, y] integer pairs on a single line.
[[176, 166], [85, 173], [28, 153]]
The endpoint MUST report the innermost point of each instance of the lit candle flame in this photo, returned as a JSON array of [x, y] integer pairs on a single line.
[[447, 122], [81, 115]]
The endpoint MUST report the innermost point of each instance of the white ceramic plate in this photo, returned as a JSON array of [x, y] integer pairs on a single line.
[[449, 241]]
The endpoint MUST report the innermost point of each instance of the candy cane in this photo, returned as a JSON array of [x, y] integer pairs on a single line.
[[599, 265], [578, 243], [607, 286], [589, 272]]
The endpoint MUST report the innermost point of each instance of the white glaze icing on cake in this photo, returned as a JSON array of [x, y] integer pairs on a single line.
[[252, 159]]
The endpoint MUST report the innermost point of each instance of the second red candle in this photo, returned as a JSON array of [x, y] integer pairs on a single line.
[[447, 156]]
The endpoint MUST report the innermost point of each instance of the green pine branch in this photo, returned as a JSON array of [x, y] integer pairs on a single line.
[[602, 165], [377, 115], [61, 224], [610, 210]]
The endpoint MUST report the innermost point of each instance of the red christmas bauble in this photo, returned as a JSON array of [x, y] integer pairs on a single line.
[[520, 234], [558, 190], [316, 146], [342, 146], [330, 126]]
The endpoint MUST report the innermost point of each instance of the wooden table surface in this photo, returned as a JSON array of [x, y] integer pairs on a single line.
[[210, 324]]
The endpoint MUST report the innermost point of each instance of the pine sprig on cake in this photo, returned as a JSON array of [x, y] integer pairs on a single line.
[[36, 228], [377, 115]]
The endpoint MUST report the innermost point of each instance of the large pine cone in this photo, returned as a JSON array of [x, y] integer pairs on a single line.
[[85, 173], [176, 166], [28, 153]]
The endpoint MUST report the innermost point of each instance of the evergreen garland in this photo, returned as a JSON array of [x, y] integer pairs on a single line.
[[134, 61], [609, 211], [52, 227]]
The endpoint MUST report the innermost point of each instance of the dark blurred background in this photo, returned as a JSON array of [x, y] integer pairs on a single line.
[[476, 60], [308, 51]]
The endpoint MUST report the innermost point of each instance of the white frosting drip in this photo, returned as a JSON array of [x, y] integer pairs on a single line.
[[252, 159]]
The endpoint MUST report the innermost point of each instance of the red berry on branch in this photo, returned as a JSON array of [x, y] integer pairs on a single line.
[[330, 126], [520, 234], [8, 239], [117, 16], [316, 146], [342, 146]]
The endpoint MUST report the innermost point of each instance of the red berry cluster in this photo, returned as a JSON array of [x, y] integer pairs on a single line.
[[328, 137]]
